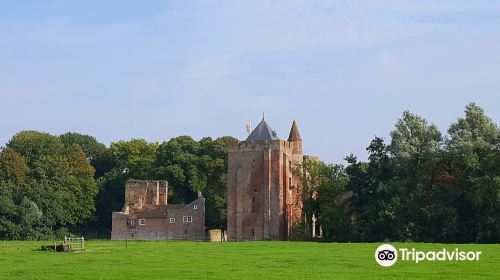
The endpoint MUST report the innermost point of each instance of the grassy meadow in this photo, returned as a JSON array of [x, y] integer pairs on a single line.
[[244, 260]]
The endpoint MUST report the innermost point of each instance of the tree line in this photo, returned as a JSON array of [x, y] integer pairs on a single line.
[[418, 186]]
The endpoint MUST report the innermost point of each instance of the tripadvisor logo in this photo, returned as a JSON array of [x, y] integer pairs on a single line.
[[387, 255]]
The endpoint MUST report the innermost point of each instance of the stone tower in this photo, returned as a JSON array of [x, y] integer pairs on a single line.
[[264, 197]]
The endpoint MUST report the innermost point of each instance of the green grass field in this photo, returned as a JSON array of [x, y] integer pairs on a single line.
[[245, 260]]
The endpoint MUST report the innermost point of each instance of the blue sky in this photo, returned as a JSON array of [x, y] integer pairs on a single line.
[[345, 70]]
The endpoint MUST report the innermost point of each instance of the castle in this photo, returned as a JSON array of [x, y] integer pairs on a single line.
[[264, 199], [147, 215], [264, 194]]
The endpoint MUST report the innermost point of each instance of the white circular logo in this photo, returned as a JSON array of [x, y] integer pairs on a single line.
[[386, 255]]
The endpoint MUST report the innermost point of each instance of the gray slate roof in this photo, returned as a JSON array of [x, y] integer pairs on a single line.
[[262, 132]]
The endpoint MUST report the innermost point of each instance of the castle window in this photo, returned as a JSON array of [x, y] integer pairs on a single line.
[[254, 208], [172, 220], [289, 182], [253, 232], [130, 222], [195, 207], [187, 219], [142, 222], [290, 166]]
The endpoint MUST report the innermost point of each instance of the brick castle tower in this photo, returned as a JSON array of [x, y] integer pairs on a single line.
[[264, 197]]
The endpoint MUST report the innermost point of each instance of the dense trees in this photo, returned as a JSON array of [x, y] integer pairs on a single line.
[[473, 147], [421, 186], [45, 186], [417, 186]]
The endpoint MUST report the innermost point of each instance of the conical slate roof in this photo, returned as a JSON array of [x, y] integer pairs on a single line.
[[294, 133], [262, 132]]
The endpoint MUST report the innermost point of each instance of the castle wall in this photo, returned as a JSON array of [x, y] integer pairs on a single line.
[[158, 226], [119, 227], [139, 193], [259, 177], [146, 214], [216, 235]]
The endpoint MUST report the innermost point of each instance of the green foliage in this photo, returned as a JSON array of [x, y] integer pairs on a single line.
[[373, 197], [111, 197], [424, 188], [96, 152], [179, 161], [334, 210], [474, 153], [33, 145], [135, 157], [313, 174], [44, 186], [191, 166], [13, 167], [214, 164], [414, 137]]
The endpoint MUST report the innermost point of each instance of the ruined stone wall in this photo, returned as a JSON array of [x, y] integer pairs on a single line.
[[157, 224], [216, 235], [119, 229], [139, 193]]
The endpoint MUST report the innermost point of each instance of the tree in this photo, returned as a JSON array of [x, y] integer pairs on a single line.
[[13, 167], [13, 172], [135, 158], [335, 211], [178, 160], [375, 199], [415, 150], [214, 164], [96, 152], [473, 148], [29, 220], [33, 145], [86, 189], [313, 174], [44, 186]]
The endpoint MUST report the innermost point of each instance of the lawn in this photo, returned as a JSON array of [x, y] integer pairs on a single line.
[[245, 260]]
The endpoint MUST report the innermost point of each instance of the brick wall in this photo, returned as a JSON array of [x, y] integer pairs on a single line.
[[148, 216], [259, 190]]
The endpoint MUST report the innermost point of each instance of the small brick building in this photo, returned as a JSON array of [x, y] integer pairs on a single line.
[[264, 195], [147, 215]]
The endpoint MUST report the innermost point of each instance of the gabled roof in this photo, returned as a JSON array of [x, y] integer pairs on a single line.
[[294, 133], [262, 132]]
